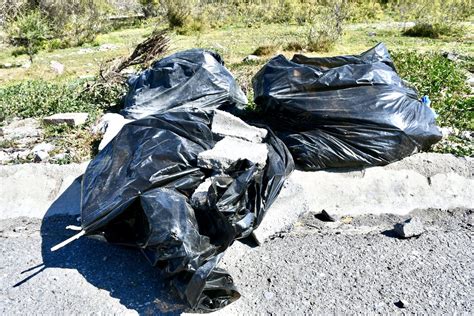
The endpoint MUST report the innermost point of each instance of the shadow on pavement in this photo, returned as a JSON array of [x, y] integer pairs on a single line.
[[123, 272]]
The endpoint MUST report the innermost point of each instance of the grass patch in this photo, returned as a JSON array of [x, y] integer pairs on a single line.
[[443, 81]]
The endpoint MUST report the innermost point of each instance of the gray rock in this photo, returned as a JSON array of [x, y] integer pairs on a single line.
[[22, 129], [44, 147], [372, 34], [4, 157], [470, 81], [324, 216], [229, 150], [57, 67], [251, 58], [9, 65], [105, 47], [410, 228], [22, 154], [40, 156], [71, 119], [59, 156], [401, 304], [467, 135], [225, 124]]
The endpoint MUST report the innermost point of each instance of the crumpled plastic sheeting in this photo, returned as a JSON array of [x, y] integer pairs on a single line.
[[137, 191], [345, 111], [187, 79]]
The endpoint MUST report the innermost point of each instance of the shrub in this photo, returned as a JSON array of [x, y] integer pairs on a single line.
[[73, 23], [178, 13], [435, 18], [436, 30], [29, 32], [327, 27], [265, 50], [294, 46], [443, 81], [37, 98]]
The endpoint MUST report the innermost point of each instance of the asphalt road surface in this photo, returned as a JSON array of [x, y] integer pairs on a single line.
[[351, 266]]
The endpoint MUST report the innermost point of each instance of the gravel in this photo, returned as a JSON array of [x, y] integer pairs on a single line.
[[351, 266]]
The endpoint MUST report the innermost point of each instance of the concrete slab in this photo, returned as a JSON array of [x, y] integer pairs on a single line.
[[229, 150], [225, 124], [72, 119], [418, 182], [37, 190]]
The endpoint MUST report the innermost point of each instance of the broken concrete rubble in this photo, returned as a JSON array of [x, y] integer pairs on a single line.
[[47, 147], [199, 197], [410, 228], [71, 119], [225, 124], [40, 156], [21, 129], [230, 150]]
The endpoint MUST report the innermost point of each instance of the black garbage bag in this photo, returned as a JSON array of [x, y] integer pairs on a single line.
[[345, 111], [136, 192], [187, 79]]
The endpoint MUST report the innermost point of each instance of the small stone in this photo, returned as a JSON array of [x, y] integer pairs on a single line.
[[59, 156], [446, 131], [4, 157], [71, 119], [410, 228], [46, 147], [346, 219], [22, 155], [470, 81], [230, 150], [105, 47], [268, 295], [225, 124], [324, 216], [467, 135], [372, 34], [401, 304], [57, 66], [22, 129], [251, 58], [41, 156]]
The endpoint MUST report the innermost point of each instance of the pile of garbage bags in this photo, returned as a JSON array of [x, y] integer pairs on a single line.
[[193, 78], [181, 185], [345, 111]]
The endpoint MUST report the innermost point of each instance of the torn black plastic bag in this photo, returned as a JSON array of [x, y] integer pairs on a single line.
[[345, 111], [193, 78], [136, 192]]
